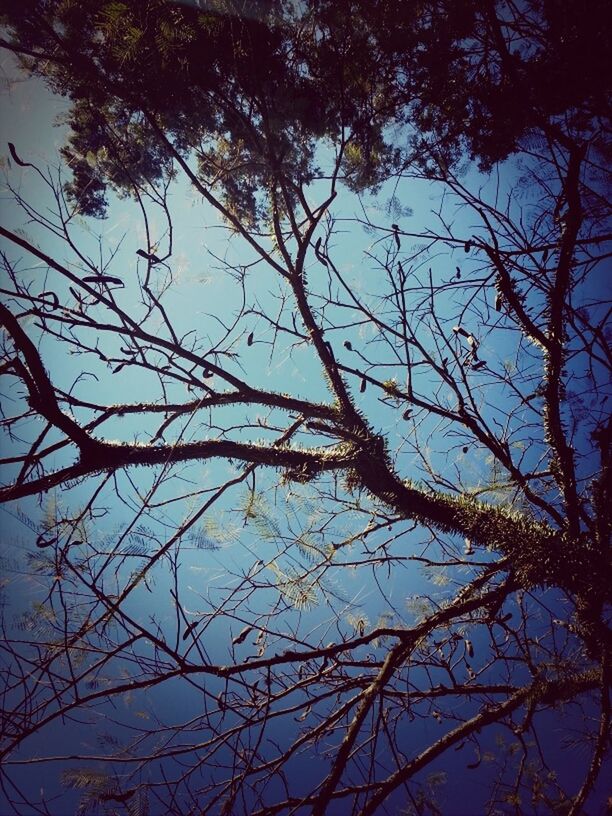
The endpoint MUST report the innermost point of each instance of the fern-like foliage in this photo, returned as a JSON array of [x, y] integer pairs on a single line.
[[297, 589]]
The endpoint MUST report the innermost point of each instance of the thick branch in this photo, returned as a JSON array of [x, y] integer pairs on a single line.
[[563, 465], [104, 456], [42, 395]]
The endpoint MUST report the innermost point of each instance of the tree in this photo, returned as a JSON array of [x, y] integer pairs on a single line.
[[436, 408]]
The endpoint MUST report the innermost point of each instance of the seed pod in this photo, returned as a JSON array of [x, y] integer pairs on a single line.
[[469, 648], [148, 256], [407, 413], [103, 279], [348, 345], [54, 300], [395, 228], [189, 630], [16, 158], [318, 253], [250, 339], [467, 246], [242, 636], [363, 385]]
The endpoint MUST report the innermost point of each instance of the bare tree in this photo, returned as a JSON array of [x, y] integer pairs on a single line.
[[372, 538]]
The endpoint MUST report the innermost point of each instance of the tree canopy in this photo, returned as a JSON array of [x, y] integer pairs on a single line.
[[250, 95], [318, 511]]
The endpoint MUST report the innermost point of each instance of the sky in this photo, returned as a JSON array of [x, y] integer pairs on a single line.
[[218, 552]]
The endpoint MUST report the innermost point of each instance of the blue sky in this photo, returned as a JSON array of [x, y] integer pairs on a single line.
[[223, 548]]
